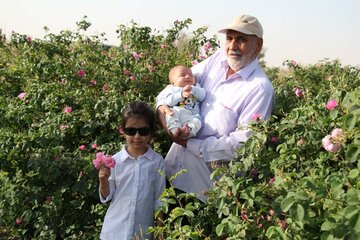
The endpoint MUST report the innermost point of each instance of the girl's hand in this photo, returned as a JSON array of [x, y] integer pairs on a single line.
[[104, 174]]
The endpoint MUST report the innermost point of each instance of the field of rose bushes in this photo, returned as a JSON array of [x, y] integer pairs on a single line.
[[60, 101]]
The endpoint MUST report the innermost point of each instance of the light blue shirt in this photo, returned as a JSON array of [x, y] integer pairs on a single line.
[[229, 104], [173, 98], [135, 188]]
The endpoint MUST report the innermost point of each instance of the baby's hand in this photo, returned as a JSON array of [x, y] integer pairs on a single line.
[[186, 91]]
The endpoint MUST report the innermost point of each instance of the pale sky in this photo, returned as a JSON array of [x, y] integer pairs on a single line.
[[305, 31]]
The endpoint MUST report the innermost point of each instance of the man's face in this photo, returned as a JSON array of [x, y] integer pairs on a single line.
[[241, 49]]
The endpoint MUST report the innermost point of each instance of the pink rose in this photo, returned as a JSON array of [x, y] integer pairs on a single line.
[[299, 92], [127, 72], [135, 55], [202, 56], [274, 139], [93, 82], [301, 141], [207, 46], [283, 224], [94, 146], [337, 132], [63, 127], [82, 147], [22, 95], [67, 109], [19, 221], [28, 39], [329, 145], [256, 117], [81, 73], [132, 78], [331, 105], [293, 62], [103, 160], [272, 180]]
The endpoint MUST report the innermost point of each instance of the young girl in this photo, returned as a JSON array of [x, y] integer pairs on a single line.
[[135, 184]]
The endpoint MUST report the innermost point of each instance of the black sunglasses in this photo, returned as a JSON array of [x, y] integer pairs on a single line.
[[132, 131]]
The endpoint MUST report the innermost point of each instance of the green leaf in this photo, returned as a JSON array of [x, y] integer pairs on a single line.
[[355, 222], [300, 212], [326, 226], [352, 153], [220, 229], [353, 173], [350, 121], [287, 203]]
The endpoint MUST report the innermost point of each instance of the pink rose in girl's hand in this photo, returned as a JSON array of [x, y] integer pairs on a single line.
[[103, 160]]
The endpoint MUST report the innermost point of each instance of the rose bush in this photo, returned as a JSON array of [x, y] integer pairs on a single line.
[[60, 104]]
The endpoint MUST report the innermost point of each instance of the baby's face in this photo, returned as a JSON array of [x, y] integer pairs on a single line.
[[182, 76]]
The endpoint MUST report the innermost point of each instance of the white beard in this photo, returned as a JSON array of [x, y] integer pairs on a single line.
[[236, 64]]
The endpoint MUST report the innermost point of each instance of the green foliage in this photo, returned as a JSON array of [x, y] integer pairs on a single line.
[[48, 183], [283, 184]]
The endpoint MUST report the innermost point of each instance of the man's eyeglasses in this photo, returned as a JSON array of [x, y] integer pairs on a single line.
[[132, 131]]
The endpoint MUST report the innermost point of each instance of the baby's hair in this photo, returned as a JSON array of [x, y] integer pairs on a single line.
[[171, 72], [141, 110]]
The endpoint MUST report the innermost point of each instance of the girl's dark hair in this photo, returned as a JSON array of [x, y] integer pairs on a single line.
[[138, 110]]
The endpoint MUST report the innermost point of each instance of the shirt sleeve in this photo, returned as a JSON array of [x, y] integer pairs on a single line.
[[161, 97], [224, 148], [198, 92], [173, 96]]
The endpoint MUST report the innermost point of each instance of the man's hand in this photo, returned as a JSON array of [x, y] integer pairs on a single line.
[[178, 136]]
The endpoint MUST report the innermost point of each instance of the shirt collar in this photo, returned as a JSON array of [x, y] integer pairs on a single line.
[[125, 155], [245, 72]]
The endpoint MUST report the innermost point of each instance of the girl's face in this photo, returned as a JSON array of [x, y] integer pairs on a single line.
[[137, 135]]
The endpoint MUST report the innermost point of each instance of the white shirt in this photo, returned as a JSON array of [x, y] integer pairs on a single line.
[[229, 103], [135, 188]]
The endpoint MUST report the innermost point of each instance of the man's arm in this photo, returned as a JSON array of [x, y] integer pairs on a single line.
[[161, 111]]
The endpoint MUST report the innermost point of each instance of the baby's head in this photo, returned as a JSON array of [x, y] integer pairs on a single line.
[[181, 75]]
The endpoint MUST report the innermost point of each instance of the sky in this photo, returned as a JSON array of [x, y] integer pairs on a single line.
[[307, 32]]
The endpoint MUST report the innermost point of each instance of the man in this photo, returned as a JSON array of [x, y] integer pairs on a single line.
[[237, 88]]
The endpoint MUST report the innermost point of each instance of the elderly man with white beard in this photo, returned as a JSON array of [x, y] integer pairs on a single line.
[[237, 89]]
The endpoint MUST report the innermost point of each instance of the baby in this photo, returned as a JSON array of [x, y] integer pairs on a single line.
[[183, 96]]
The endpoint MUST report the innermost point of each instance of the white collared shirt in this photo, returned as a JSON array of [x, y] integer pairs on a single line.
[[229, 103], [135, 188]]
